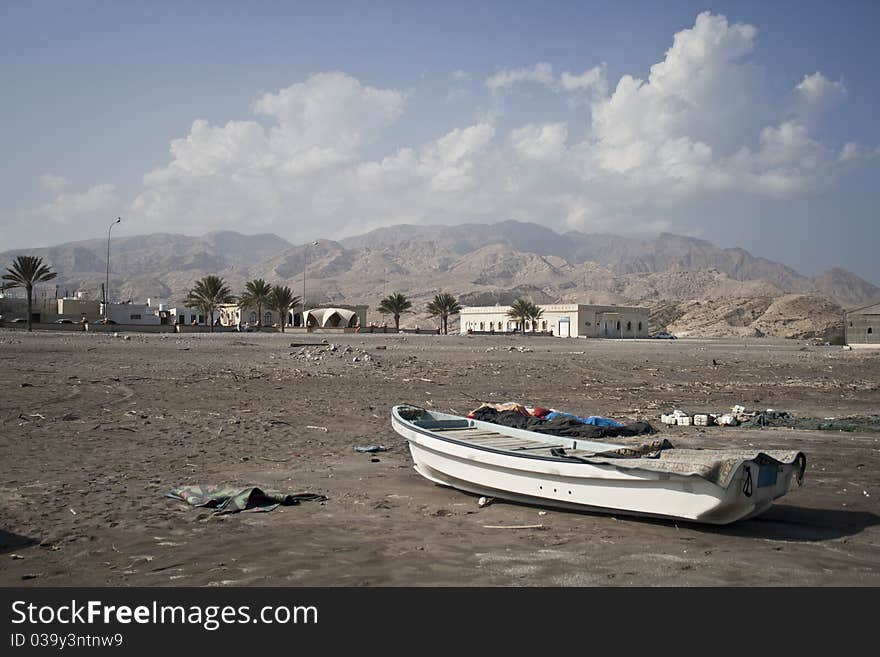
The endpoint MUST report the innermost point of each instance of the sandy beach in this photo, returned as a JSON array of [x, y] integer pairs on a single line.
[[95, 429]]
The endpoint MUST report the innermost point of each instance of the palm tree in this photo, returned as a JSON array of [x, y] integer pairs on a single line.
[[208, 293], [281, 300], [26, 272], [536, 313], [256, 293], [444, 305], [523, 310], [395, 304]]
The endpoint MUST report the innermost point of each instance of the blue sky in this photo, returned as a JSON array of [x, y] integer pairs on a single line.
[[326, 119]]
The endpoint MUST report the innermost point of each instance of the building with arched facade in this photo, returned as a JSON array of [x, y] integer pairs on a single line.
[[339, 316]]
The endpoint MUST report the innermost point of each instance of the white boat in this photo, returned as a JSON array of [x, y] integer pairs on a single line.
[[707, 486]]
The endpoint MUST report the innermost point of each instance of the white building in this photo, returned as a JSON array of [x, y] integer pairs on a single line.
[[562, 320], [187, 316], [140, 314]]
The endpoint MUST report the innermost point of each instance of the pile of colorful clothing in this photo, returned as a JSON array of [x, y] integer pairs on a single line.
[[556, 423]]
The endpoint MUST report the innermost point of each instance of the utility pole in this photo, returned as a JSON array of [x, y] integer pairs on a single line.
[[384, 288], [305, 262], [107, 289]]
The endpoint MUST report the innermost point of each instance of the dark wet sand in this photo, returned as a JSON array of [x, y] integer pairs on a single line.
[[124, 421]]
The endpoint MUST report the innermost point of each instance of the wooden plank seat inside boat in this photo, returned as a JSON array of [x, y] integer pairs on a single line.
[[493, 439], [486, 438]]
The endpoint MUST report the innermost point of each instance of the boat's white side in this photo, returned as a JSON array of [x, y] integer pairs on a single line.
[[577, 485]]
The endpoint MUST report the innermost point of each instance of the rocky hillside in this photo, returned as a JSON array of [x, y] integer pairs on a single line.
[[692, 286], [797, 316]]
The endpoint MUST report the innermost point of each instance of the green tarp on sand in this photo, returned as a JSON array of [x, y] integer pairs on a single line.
[[232, 500]]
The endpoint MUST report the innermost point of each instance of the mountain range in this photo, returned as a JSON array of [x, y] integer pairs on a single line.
[[479, 263]]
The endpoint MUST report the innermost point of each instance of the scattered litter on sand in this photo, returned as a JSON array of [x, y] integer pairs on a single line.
[[514, 527], [739, 416], [485, 501], [312, 426], [371, 449]]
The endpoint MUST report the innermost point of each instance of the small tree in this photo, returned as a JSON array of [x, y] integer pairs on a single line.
[[395, 304], [443, 306], [281, 300], [27, 271], [256, 293], [208, 293], [523, 310]]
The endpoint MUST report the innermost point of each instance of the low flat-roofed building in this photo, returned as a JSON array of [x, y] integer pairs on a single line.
[[563, 320], [137, 314], [76, 308], [189, 316], [861, 326], [44, 308]]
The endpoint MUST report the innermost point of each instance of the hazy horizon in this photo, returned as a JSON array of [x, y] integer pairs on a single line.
[[728, 122]]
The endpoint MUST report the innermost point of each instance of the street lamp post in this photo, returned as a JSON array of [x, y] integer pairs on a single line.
[[305, 261], [384, 288], [107, 283]]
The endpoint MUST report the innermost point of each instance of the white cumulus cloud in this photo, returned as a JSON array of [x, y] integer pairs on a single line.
[[70, 207], [540, 73], [815, 96], [701, 122]]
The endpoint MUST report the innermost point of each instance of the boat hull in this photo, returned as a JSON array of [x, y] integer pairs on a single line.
[[588, 487]]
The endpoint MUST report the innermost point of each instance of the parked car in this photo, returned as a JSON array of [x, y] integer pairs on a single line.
[[18, 320], [103, 321], [63, 321], [663, 335]]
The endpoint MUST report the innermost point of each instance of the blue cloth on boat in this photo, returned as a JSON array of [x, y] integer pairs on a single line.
[[595, 420]]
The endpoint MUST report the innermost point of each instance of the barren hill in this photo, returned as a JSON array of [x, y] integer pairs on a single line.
[[693, 286], [789, 316]]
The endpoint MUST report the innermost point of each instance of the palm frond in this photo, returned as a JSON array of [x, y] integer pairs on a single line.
[[27, 271], [395, 304]]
